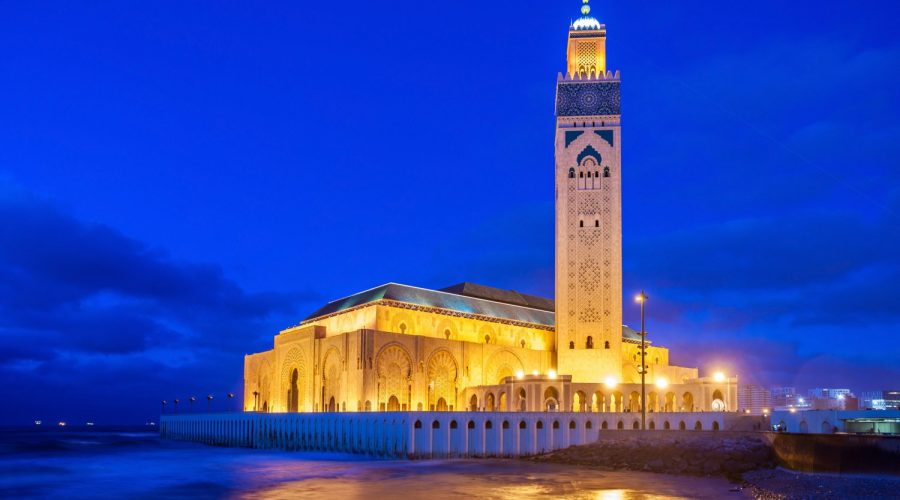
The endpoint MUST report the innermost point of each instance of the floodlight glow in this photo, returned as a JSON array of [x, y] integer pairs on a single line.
[[662, 383], [719, 377], [552, 374], [610, 382], [520, 374]]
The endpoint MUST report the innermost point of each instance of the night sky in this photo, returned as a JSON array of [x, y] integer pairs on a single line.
[[180, 180]]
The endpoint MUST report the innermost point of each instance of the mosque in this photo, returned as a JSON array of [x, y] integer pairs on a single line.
[[475, 348]]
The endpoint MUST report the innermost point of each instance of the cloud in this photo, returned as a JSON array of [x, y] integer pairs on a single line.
[[82, 305]]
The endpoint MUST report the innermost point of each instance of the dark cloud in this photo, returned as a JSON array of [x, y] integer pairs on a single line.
[[82, 305]]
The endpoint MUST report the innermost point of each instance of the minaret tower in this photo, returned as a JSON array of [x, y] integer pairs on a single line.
[[588, 209]]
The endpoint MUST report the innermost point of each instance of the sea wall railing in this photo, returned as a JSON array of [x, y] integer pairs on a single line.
[[420, 434]]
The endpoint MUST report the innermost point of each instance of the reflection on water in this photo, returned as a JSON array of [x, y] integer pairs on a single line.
[[91, 464]]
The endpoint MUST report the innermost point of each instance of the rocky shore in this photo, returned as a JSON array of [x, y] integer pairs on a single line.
[[781, 484], [672, 452]]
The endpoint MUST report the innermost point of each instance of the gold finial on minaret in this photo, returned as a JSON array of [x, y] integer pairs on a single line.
[[585, 9]]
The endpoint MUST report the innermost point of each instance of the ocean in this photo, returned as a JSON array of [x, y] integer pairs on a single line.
[[92, 462]]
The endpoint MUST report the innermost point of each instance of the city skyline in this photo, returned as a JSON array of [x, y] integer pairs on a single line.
[[172, 200]]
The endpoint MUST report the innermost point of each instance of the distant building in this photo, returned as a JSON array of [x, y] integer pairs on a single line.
[[826, 393], [891, 399], [786, 398], [867, 400], [754, 399]]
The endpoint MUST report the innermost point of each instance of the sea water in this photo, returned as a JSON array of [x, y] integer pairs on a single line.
[[134, 463]]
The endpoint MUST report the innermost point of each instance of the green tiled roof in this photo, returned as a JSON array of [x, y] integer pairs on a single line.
[[466, 298]]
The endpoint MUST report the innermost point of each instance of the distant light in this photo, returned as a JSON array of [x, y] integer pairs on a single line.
[[37, 422], [840, 397], [610, 382], [719, 377], [793, 410], [520, 375], [62, 424], [765, 410], [535, 372], [662, 383], [802, 401], [552, 374]]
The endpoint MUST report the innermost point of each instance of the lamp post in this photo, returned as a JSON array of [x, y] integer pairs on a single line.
[[430, 388], [191, 403], [642, 299], [230, 398], [163, 406], [255, 400], [209, 398]]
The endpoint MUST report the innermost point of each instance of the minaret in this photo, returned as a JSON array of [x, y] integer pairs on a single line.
[[588, 209]]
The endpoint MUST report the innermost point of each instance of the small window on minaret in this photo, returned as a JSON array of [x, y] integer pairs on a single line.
[[572, 345], [606, 345], [590, 342], [605, 171], [596, 223], [597, 174], [571, 173], [581, 223], [589, 175]]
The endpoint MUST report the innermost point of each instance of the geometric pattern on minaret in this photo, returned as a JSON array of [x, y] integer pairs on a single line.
[[588, 209]]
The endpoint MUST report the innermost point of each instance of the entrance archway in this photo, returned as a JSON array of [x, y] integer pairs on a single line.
[[294, 393], [331, 405], [441, 405], [393, 404]]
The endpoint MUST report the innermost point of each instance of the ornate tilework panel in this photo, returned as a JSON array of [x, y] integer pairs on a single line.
[[606, 135], [572, 135], [589, 151], [588, 98]]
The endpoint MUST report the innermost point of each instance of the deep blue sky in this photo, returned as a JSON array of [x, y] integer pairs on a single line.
[[179, 180]]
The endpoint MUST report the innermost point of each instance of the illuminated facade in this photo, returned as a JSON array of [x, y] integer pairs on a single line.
[[470, 347]]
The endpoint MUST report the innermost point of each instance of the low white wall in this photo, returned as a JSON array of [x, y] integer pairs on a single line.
[[420, 434], [824, 421]]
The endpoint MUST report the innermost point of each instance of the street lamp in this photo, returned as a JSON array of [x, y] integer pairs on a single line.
[[163, 406], [191, 403], [209, 398], [176, 404], [255, 400], [642, 299], [230, 398]]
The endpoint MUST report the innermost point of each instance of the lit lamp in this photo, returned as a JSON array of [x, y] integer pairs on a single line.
[[163, 404], [610, 383], [552, 374], [191, 403], [230, 398], [209, 398], [662, 383], [520, 374], [642, 299], [719, 377]]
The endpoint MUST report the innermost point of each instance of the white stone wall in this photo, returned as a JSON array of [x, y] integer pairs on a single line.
[[420, 434]]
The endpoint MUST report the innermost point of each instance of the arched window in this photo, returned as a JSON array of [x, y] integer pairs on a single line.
[[487, 339], [596, 174], [435, 425], [572, 345], [597, 223], [539, 425], [572, 424], [506, 424], [605, 171], [588, 425], [581, 223], [418, 424], [590, 342], [402, 327], [581, 175], [606, 345], [556, 424], [447, 334], [522, 425], [453, 424], [471, 424], [488, 425], [571, 173], [589, 175]]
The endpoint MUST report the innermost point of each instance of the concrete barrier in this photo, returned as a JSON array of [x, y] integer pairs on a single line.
[[844, 453], [422, 434]]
